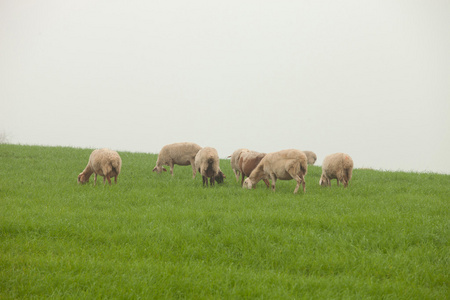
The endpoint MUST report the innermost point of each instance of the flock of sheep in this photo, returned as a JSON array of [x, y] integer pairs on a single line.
[[284, 165]]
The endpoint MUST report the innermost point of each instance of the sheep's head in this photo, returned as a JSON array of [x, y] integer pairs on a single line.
[[247, 184], [323, 181], [220, 177], [82, 179], [159, 169]]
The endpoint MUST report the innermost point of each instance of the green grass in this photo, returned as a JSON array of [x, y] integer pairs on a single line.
[[153, 236]]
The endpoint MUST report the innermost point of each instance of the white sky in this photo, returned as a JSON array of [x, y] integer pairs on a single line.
[[370, 78]]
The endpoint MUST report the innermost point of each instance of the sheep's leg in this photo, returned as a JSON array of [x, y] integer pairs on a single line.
[[236, 173], [107, 178], [212, 181], [115, 179], [205, 180], [303, 183], [274, 181], [297, 186], [242, 181], [345, 182], [341, 177], [266, 182], [194, 171], [171, 168], [95, 178], [299, 181]]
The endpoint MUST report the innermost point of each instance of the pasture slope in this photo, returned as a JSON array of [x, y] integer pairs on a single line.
[[153, 236]]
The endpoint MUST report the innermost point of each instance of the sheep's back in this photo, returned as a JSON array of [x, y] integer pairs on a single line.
[[278, 162], [179, 153]]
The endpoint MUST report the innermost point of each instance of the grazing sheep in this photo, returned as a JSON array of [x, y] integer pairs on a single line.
[[248, 162], [235, 161], [207, 163], [220, 176], [285, 165], [311, 156], [337, 166], [182, 154], [103, 162]]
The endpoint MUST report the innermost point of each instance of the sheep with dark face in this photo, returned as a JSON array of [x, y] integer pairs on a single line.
[[220, 177], [337, 166], [182, 154], [103, 162], [285, 165], [207, 163]]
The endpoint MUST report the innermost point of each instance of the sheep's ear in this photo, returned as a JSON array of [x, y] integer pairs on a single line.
[[155, 169], [164, 169]]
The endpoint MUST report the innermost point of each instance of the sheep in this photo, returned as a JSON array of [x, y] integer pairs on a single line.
[[235, 161], [285, 165], [207, 163], [103, 162], [337, 166], [182, 154], [311, 156], [248, 162]]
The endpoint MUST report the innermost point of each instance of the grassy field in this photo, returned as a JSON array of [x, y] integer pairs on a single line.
[[153, 236]]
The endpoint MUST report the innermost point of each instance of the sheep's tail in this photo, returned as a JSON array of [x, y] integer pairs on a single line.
[[115, 165], [348, 167], [349, 172]]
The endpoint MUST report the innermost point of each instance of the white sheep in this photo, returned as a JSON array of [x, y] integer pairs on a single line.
[[207, 163], [285, 165], [103, 162], [337, 166], [311, 156], [234, 161], [182, 154]]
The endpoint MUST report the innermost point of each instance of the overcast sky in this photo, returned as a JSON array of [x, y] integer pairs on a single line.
[[369, 78]]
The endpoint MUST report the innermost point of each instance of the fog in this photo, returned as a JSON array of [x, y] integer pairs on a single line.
[[369, 78]]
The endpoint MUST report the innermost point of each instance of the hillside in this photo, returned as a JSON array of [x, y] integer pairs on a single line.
[[153, 236]]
